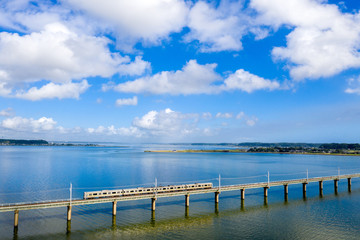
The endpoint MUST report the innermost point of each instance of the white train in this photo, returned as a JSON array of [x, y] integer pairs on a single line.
[[150, 190]]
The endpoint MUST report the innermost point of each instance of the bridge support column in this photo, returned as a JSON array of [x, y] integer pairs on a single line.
[[349, 184], [266, 192], [187, 200], [336, 184], [304, 189], [153, 203], [321, 186], [217, 197], [16, 218], [242, 194], [216, 208], [286, 189], [114, 208], [69, 213]]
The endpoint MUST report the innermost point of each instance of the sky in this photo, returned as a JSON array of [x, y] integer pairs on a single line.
[[167, 71]]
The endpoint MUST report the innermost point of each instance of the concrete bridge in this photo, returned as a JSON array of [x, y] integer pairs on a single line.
[[154, 196]]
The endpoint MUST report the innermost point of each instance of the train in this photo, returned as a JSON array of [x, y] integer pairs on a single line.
[[143, 190]]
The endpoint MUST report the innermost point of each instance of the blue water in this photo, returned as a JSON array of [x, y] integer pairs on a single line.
[[45, 173]]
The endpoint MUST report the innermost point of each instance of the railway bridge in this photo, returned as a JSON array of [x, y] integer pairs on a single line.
[[17, 207]]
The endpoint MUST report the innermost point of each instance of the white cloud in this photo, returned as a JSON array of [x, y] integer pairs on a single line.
[[206, 116], [166, 123], [245, 81], [6, 112], [240, 115], [127, 101], [192, 79], [224, 115], [249, 121], [51, 90], [137, 67], [324, 41], [354, 86], [149, 21], [29, 124], [217, 29], [58, 55]]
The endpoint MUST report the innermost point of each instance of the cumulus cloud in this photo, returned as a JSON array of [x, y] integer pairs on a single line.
[[245, 81], [127, 101], [6, 112], [324, 40], [147, 21], [29, 124], [164, 124], [217, 29], [193, 78], [58, 55], [52, 90]]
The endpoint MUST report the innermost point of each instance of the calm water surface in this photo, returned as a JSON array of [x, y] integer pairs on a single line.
[[44, 173]]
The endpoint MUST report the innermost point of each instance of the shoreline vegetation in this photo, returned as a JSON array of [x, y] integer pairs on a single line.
[[16, 142], [348, 149]]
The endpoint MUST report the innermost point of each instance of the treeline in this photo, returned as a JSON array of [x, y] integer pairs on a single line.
[[22, 142], [340, 146]]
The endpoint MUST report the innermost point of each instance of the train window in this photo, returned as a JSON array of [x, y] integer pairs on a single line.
[[132, 191], [104, 193], [171, 188], [164, 188], [140, 190], [113, 192], [148, 190]]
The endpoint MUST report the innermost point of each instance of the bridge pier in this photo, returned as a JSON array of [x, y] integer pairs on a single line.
[[349, 184], [187, 200], [69, 212], [114, 208], [16, 218], [304, 189], [286, 190], [321, 186], [217, 197], [336, 184], [153, 203], [242, 194], [216, 208], [266, 191]]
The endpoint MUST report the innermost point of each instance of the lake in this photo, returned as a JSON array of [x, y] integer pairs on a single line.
[[34, 173]]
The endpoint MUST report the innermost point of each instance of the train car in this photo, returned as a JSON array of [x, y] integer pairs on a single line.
[[143, 191]]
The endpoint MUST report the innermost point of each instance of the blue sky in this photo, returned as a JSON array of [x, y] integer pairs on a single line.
[[180, 71]]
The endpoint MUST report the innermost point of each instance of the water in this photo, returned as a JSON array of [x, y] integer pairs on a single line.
[[44, 173]]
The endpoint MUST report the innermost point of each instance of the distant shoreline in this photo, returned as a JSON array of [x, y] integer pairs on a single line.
[[246, 151]]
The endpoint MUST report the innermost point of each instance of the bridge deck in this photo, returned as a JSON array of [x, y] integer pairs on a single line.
[[65, 203]]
